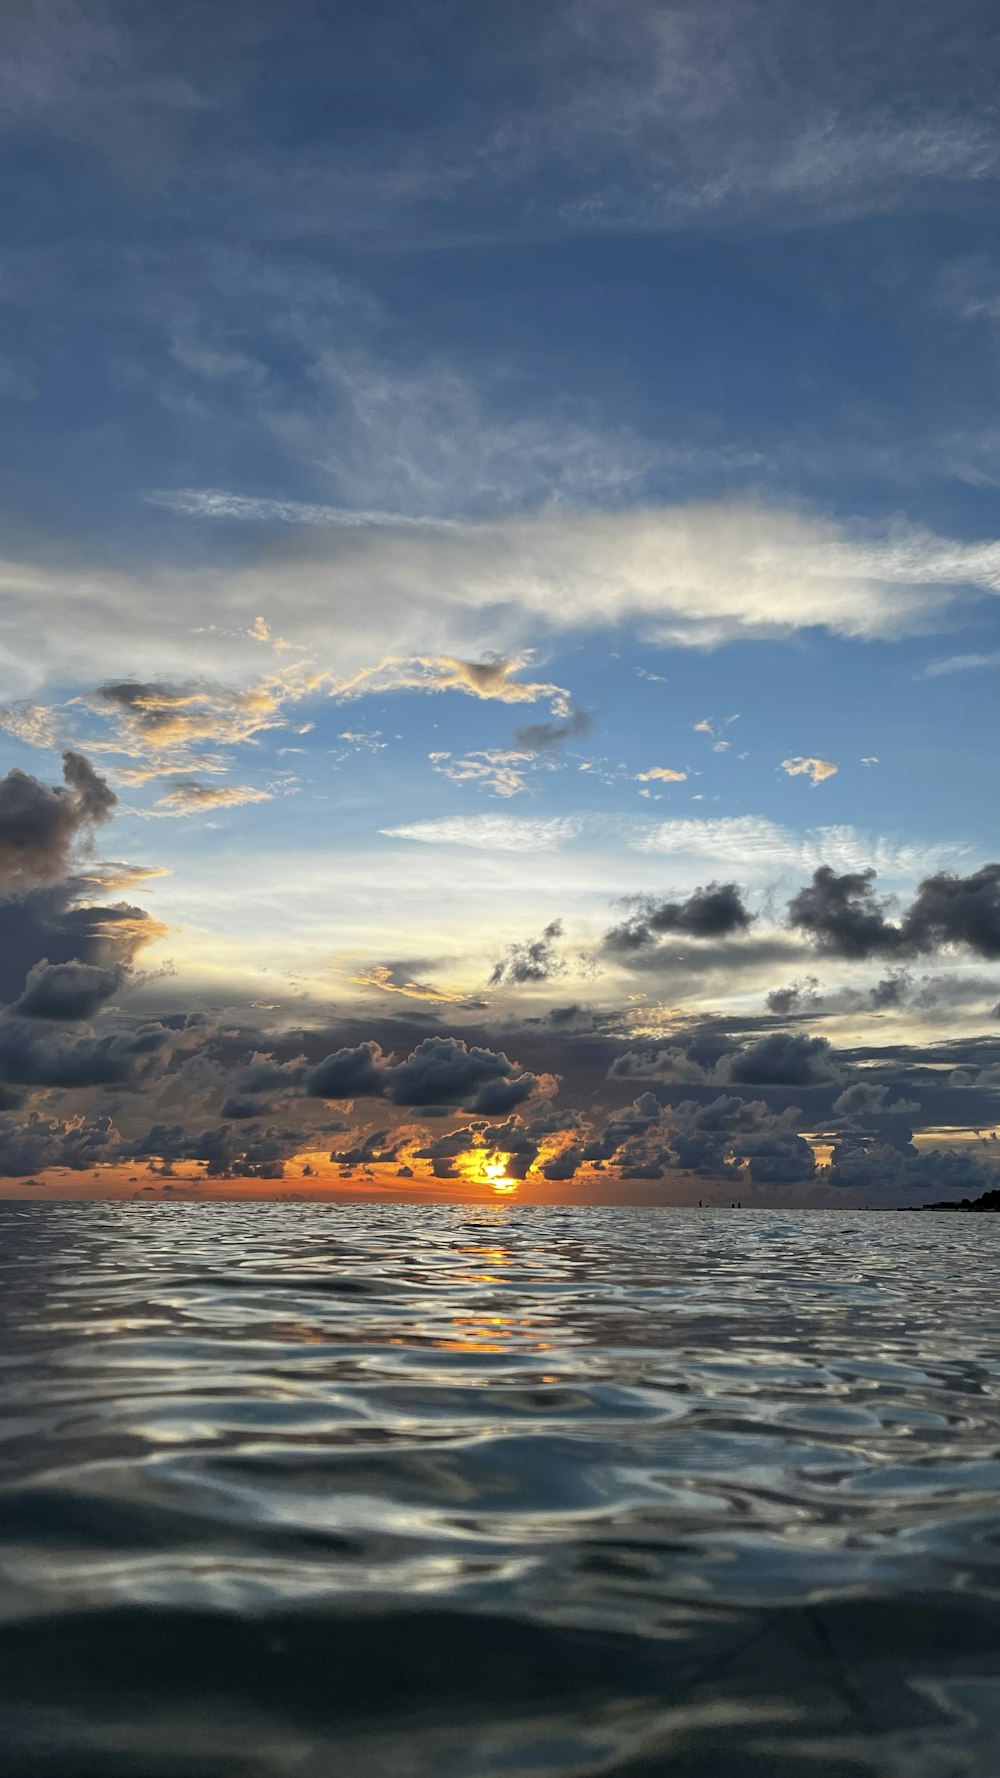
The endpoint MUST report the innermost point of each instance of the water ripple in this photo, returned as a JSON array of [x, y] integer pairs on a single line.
[[289, 1492]]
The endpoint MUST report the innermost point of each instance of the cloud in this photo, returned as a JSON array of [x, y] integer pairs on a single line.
[[66, 991], [488, 679], [797, 997], [960, 663], [214, 503], [490, 833], [163, 728], [31, 1056], [536, 960], [536, 737], [660, 774], [189, 797], [754, 843], [442, 1072], [778, 1059], [40, 823], [689, 574], [59, 924], [32, 1144], [395, 979], [782, 1058], [497, 769], [844, 916], [864, 1100], [816, 769], [715, 911], [31, 723]]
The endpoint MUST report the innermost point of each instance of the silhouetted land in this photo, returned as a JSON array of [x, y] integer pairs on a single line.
[[988, 1201]]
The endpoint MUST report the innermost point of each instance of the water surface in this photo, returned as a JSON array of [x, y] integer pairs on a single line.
[[388, 1492]]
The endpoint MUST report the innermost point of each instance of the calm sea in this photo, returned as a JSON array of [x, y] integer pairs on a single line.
[[388, 1492]]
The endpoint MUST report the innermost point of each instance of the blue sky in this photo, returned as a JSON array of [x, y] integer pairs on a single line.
[[428, 428]]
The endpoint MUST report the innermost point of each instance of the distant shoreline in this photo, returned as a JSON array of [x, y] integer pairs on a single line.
[[988, 1201]]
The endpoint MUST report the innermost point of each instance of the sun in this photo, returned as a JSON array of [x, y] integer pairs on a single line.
[[495, 1174]]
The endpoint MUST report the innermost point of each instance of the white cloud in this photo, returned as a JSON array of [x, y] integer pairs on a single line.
[[754, 845], [960, 663], [695, 574], [491, 833], [31, 723], [664, 774], [816, 769], [215, 503], [497, 769], [193, 798]]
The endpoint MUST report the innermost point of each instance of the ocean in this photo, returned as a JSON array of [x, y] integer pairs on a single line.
[[496, 1492]]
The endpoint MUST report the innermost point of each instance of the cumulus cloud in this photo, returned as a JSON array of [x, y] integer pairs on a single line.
[[31, 1056], [535, 960], [782, 1058], [59, 923], [797, 997], [715, 911], [66, 991], [660, 775], [816, 769], [865, 1099], [442, 1072], [778, 1059], [845, 916], [40, 823]]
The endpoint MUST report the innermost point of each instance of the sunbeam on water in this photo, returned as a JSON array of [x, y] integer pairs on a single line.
[[293, 1492]]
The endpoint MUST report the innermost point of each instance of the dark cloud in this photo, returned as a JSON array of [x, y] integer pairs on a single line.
[[782, 1058], [444, 1071], [441, 1072], [951, 910], [539, 737], [350, 1074], [67, 991], [32, 1144], [379, 1147], [797, 997], [865, 1100], [779, 1059], [224, 1153], [262, 1075], [31, 1056], [39, 823], [843, 914], [875, 1166], [845, 917], [715, 911], [534, 961], [56, 924]]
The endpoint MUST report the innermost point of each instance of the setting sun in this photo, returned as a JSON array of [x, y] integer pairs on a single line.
[[481, 1167]]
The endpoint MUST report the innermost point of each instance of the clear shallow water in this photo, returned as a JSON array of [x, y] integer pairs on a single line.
[[294, 1493]]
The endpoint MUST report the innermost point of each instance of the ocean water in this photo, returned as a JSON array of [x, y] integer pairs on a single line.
[[295, 1492]]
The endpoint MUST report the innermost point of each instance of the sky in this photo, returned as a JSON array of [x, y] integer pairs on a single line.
[[498, 635]]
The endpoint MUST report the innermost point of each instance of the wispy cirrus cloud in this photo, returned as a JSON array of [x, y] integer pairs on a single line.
[[960, 663], [491, 833], [189, 797]]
